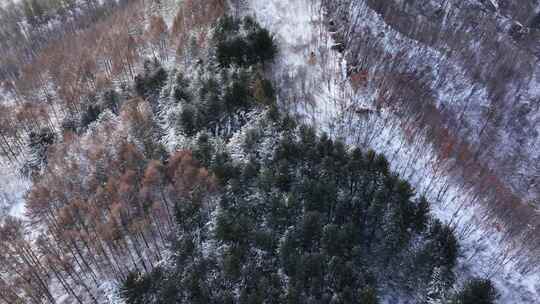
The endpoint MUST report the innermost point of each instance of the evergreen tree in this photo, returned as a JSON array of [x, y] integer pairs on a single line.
[[149, 84], [138, 288], [188, 120], [477, 291], [262, 46], [444, 243], [38, 144], [237, 95], [182, 89], [110, 100], [204, 150], [90, 115]]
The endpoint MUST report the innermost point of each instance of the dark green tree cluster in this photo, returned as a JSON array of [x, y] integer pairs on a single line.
[[243, 43], [477, 291], [149, 83], [229, 82], [91, 110], [218, 98], [314, 222], [38, 144], [138, 288], [90, 114], [217, 105]]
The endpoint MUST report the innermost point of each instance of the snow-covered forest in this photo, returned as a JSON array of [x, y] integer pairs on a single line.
[[269, 151]]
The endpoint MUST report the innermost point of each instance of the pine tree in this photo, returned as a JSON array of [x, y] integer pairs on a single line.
[[137, 288], [110, 100], [262, 46], [38, 144], [188, 120], [477, 291], [204, 151], [181, 90]]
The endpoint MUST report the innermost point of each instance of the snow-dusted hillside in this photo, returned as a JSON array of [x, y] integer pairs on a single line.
[[379, 75], [12, 189], [315, 85], [474, 61]]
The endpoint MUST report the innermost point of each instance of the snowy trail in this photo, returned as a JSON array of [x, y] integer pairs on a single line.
[[314, 76]]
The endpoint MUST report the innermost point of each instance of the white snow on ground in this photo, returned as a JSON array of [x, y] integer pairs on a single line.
[[12, 190], [319, 81], [4, 3], [494, 3]]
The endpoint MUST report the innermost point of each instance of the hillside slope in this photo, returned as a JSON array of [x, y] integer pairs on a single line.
[[162, 157], [474, 62], [321, 91]]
